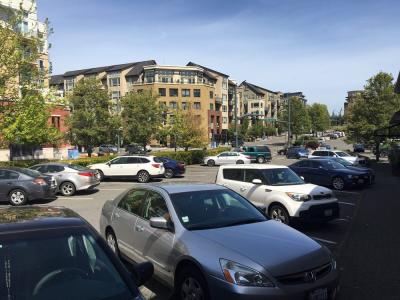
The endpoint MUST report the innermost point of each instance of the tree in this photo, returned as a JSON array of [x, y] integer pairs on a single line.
[[256, 130], [244, 126], [141, 117], [373, 109], [91, 122], [319, 117], [300, 120]]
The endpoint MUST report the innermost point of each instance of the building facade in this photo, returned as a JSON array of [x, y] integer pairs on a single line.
[[299, 95], [351, 97]]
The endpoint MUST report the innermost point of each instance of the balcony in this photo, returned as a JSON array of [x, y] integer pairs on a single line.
[[218, 100]]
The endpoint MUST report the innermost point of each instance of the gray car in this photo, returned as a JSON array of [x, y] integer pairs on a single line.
[[69, 178], [207, 242]]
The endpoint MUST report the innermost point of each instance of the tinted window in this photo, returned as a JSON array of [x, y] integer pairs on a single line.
[[263, 149], [133, 201], [332, 165], [281, 176], [320, 153], [330, 153], [301, 164], [233, 154], [120, 160], [250, 175], [133, 160], [144, 160], [342, 154], [234, 174], [155, 207], [8, 175], [41, 169], [54, 169], [224, 154], [314, 164], [29, 172], [250, 149], [78, 167]]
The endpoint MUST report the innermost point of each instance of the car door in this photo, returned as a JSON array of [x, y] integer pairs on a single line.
[[233, 157], [124, 220], [56, 171], [251, 151], [317, 174], [223, 158], [8, 180], [232, 178], [251, 191], [116, 167], [301, 168], [155, 245], [131, 167]]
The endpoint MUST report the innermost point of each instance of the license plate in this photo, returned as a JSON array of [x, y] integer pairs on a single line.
[[320, 294], [328, 212]]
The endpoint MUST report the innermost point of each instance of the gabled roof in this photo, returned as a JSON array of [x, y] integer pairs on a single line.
[[262, 89], [56, 79], [206, 69], [138, 67], [252, 88], [397, 86]]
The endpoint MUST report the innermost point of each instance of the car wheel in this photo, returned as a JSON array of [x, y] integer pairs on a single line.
[[112, 241], [67, 189], [191, 285], [143, 176], [279, 213], [240, 162], [100, 175], [169, 173], [260, 159], [17, 197], [338, 183], [211, 163]]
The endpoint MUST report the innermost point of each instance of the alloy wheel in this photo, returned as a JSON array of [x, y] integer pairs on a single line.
[[169, 173], [278, 214], [191, 290], [67, 189], [338, 183], [17, 197], [211, 163], [143, 177], [260, 160]]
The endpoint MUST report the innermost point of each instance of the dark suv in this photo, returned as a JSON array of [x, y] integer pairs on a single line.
[[297, 152], [259, 154]]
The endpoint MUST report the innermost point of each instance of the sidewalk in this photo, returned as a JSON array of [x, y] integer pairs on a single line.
[[370, 258]]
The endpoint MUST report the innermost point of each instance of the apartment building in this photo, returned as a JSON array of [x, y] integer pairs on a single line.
[[186, 88], [259, 103], [299, 95], [351, 97]]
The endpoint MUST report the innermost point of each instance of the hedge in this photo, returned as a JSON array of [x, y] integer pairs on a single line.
[[188, 157]]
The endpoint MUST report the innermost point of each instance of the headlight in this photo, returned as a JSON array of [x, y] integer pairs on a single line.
[[240, 275], [299, 197]]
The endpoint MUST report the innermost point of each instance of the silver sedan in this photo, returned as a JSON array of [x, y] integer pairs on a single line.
[[226, 158], [69, 178], [207, 242]]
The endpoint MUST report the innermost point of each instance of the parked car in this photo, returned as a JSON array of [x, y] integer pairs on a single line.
[[107, 149], [209, 242], [172, 167], [282, 151], [337, 153], [142, 168], [286, 196], [69, 178], [225, 158], [52, 253], [240, 143], [20, 185], [324, 146], [297, 152], [359, 148], [134, 149], [330, 173], [259, 154]]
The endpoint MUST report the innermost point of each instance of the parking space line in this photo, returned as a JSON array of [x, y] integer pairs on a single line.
[[347, 203], [323, 240], [74, 198]]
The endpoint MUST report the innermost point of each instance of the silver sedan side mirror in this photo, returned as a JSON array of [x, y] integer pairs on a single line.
[[159, 223]]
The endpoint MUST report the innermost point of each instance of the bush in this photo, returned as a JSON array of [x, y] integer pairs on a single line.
[[192, 156], [312, 144]]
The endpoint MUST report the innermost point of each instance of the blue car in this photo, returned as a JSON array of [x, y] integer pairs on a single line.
[[172, 167], [297, 152], [330, 173]]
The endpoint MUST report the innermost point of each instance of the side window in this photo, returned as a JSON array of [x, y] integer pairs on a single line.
[[155, 207], [133, 160], [143, 160], [41, 169], [330, 153], [119, 160], [250, 175], [301, 164], [233, 154], [316, 153], [314, 164], [54, 169], [133, 201], [233, 174], [250, 149], [223, 154], [8, 175]]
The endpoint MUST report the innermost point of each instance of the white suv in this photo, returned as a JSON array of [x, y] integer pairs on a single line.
[[284, 194], [143, 168], [337, 153]]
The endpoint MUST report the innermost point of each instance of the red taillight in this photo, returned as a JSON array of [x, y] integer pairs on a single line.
[[87, 174], [39, 181], [156, 165], [248, 157]]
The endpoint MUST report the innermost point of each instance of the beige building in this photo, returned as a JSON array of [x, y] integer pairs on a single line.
[[351, 97]]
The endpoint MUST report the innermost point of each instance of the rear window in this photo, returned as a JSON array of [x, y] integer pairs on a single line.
[[30, 172], [263, 149], [77, 167], [233, 174]]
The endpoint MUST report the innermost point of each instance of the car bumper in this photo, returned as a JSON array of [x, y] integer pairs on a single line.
[[89, 186], [319, 212], [220, 289], [157, 176], [179, 171], [43, 193]]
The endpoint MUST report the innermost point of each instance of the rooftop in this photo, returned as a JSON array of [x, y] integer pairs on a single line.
[[206, 69]]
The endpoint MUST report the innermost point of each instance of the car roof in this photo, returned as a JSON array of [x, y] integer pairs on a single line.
[[17, 169], [173, 188], [253, 166], [17, 219], [54, 164]]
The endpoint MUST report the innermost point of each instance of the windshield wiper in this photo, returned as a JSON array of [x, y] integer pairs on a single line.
[[243, 222]]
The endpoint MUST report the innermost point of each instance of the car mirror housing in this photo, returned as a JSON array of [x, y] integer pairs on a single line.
[[142, 273], [257, 181], [159, 223], [302, 178]]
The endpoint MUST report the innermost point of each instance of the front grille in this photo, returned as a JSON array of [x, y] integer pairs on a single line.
[[306, 276], [322, 196]]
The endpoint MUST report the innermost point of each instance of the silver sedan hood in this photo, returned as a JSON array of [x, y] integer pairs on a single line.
[[278, 248]]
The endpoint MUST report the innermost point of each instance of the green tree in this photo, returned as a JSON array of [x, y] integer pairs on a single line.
[[300, 119], [319, 117], [244, 126], [373, 109], [91, 122], [141, 117], [256, 130]]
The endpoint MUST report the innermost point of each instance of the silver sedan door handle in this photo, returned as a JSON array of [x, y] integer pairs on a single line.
[[139, 228], [242, 189]]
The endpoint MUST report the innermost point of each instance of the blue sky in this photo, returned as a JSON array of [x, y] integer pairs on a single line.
[[323, 48]]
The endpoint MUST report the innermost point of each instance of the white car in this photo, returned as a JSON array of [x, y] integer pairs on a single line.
[[226, 158], [337, 153], [281, 191], [142, 168]]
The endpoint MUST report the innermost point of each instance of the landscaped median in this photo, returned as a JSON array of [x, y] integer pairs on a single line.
[[188, 157]]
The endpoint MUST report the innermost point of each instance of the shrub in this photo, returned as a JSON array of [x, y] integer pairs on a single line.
[[192, 156]]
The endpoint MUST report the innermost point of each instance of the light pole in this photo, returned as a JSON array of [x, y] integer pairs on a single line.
[[236, 120], [289, 123]]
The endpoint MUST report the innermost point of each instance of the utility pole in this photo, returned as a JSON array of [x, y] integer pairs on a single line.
[[289, 123]]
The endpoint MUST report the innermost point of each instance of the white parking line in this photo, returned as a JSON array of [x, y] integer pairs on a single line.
[[347, 203], [74, 198], [323, 240]]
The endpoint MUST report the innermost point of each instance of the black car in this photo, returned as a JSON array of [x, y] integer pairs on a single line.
[[359, 148], [297, 152], [20, 185], [330, 173], [52, 253], [135, 149]]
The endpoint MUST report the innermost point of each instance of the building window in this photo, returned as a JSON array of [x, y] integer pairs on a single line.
[[115, 95], [173, 92], [69, 84], [149, 77], [166, 79], [224, 98], [225, 83], [211, 94], [197, 105], [224, 108], [196, 93], [41, 65], [185, 93], [185, 106], [173, 105], [163, 105], [162, 92], [224, 120], [211, 106], [114, 81], [55, 121]]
